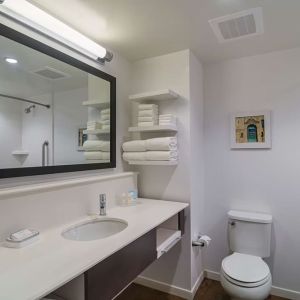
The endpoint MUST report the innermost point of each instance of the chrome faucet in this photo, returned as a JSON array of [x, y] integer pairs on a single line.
[[102, 202]]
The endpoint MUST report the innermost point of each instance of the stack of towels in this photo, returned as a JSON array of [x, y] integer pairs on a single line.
[[96, 150], [167, 119], [147, 115], [93, 125], [162, 149], [105, 118]]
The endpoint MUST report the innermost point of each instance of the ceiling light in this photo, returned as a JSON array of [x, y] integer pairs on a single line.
[[34, 17], [11, 60]]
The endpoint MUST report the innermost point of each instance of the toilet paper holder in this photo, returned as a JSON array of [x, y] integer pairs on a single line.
[[201, 241]]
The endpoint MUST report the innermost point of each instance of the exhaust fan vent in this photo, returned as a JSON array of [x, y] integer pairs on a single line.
[[51, 73], [239, 25]]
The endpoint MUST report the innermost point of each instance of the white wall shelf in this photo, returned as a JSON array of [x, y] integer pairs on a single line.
[[166, 239], [153, 162], [97, 104], [96, 131], [155, 96], [153, 128], [20, 152]]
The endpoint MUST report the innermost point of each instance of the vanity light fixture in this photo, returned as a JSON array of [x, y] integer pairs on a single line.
[[11, 60], [37, 19]]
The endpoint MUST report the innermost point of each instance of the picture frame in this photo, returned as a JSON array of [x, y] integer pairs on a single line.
[[82, 137], [250, 130]]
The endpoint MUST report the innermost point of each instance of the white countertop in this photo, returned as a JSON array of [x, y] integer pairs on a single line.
[[36, 270]]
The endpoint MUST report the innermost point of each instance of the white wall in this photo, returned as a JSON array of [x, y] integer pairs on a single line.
[[256, 180], [69, 116], [10, 132], [196, 163], [181, 72], [36, 129]]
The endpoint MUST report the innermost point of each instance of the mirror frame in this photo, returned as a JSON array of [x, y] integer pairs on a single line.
[[52, 52]]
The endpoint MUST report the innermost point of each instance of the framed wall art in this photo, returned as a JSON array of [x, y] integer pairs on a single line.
[[251, 130]]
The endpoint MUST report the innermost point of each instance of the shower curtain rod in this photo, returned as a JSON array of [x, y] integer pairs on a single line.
[[24, 100]]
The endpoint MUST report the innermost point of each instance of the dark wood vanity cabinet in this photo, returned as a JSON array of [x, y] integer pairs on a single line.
[[108, 278]]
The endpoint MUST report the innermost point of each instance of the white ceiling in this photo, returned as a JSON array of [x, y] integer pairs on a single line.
[[145, 28]]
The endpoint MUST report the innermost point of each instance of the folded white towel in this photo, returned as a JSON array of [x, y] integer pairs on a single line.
[[106, 127], [166, 116], [105, 117], [94, 126], [134, 146], [148, 113], [134, 156], [162, 155], [105, 111], [105, 122], [161, 144], [96, 155], [148, 106], [148, 119], [167, 122], [145, 124], [96, 145]]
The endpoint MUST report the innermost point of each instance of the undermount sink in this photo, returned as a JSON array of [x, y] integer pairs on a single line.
[[95, 229]]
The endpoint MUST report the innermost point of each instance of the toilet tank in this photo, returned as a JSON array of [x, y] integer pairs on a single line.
[[250, 232]]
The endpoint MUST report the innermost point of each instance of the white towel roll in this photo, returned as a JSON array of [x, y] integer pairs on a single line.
[[161, 144], [162, 155], [95, 145], [96, 155], [134, 146], [148, 106], [134, 156]]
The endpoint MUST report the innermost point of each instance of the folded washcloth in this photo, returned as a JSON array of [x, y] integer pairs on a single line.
[[97, 155], [134, 146], [161, 144], [148, 119], [164, 123], [145, 124], [148, 113], [162, 155], [147, 106], [96, 145], [105, 117], [105, 111], [134, 156]]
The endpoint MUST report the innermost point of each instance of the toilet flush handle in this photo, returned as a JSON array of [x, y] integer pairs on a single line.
[[231, 223]]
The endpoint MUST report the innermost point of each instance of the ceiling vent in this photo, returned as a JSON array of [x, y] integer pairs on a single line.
[[239, 25], [51, 73]]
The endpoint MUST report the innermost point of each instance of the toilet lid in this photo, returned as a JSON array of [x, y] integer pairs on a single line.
[[245, 268]]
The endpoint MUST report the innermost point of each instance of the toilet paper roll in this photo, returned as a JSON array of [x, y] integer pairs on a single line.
[[205, 240]]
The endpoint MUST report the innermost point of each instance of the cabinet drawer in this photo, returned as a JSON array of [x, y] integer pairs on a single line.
[[109, 277]]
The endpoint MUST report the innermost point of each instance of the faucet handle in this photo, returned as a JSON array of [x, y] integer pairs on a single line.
[[102, 202]]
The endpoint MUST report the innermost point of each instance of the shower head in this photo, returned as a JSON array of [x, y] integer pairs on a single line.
[[29, 109]]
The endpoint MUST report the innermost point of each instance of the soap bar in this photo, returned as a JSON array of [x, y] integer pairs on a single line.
[[22, 235]]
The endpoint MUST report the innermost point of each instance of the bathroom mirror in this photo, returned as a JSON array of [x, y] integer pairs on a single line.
[[57, 114]]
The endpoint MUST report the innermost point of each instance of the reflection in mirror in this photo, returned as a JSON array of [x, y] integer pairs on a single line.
[[51, 113]]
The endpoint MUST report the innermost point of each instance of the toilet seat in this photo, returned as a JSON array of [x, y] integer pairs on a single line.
[[245, 270]]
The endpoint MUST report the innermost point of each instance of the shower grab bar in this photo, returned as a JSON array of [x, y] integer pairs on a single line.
[[45, 157]]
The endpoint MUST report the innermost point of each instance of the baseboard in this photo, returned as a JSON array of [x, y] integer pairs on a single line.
[[276, 291], [171, 289]]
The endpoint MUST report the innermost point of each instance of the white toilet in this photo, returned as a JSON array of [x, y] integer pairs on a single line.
[[244, 274]]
